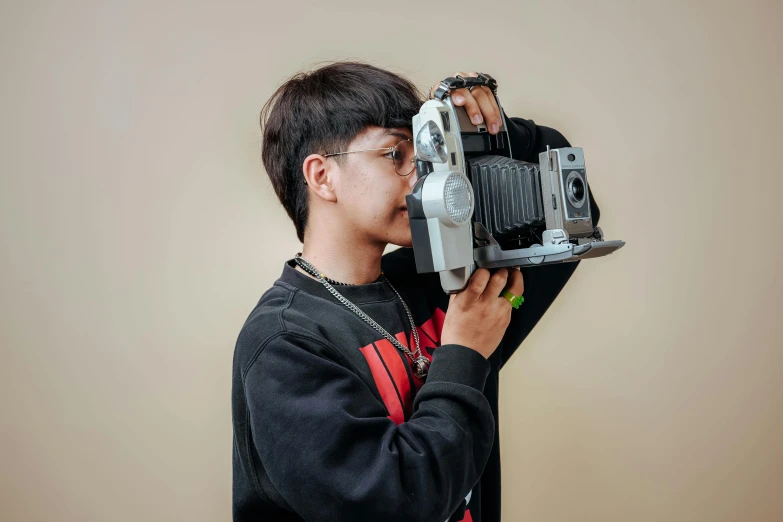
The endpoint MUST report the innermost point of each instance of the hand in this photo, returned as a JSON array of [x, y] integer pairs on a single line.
[[480, 103], [477, 317]]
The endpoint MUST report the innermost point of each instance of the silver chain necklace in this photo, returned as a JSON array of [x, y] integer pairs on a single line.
[[419, 362]]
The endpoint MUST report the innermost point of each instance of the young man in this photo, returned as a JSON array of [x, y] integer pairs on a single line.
[[334, 419]]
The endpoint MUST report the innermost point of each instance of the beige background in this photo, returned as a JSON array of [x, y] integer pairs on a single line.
[[138, 230]]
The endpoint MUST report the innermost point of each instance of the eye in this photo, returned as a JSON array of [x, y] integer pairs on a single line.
[[393, 155]]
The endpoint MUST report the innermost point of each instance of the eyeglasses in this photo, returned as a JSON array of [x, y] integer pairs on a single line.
[[402, 155]]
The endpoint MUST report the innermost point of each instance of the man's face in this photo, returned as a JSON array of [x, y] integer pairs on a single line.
[[371, 192]]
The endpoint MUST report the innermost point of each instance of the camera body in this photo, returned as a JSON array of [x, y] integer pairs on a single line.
[[564, 187], [475, 206]]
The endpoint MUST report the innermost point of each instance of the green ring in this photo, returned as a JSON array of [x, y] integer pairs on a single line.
[[515, 300]]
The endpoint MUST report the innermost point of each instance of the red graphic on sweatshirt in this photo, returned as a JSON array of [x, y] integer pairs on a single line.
[[391, 377], [388, 368]]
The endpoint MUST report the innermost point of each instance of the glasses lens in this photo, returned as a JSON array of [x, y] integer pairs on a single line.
[[404, 154]]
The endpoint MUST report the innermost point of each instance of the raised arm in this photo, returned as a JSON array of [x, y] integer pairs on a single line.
[[544, 283]]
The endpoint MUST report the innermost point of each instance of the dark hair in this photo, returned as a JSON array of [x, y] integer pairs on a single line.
[[322, 111]]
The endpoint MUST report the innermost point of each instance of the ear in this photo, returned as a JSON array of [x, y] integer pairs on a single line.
[[319, 175]]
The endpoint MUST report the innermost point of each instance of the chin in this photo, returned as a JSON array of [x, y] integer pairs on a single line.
[[405, 244], [401, 241], [401, 236], [398, 231]]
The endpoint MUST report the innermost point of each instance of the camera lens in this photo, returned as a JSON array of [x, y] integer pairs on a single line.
[[571, 157], [576, 188]]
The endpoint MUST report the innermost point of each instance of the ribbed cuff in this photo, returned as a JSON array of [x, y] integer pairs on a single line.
[[459, 364]]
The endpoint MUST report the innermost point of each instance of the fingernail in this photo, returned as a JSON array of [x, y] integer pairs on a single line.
[[494, 128], [477, 118], [459, 98]]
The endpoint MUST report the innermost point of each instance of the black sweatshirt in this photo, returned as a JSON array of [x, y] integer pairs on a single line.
[[329, 422]]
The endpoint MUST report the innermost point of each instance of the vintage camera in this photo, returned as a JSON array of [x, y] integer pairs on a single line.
[[475, 206]]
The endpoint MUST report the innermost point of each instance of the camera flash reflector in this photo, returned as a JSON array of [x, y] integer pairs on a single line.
[[459, 198], [430, 144]]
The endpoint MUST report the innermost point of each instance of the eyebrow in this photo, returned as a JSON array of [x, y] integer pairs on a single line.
[[392, 132]]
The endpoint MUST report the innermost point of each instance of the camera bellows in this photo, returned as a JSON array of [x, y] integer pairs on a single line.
[[507, 194]]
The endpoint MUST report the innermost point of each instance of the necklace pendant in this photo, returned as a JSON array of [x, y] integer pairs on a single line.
[[421, 367]]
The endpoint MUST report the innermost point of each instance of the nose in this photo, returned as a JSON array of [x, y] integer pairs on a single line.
[[413, 178]]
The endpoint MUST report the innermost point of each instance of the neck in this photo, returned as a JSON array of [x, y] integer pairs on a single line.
[[343, 258]]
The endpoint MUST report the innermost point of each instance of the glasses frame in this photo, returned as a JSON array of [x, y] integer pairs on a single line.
[[389, 149]]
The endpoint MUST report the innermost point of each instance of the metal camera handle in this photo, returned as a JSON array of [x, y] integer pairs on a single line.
[[453, 83]]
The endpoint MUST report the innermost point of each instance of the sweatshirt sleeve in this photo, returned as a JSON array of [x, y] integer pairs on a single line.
[[542, 283], [332, 453]]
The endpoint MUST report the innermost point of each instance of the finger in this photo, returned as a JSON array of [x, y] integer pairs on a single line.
[[516, 283], [494, 103], [477, 285], [493, 108], [496, 284], [488, 107], [458, 96], [464, 98]]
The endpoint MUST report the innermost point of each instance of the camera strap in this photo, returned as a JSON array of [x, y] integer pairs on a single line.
[[453, 83]]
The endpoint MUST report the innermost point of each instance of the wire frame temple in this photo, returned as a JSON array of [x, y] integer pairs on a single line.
[[388, 149], [363, 150]]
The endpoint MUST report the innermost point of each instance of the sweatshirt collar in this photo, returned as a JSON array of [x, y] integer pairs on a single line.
[[371, 292]]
